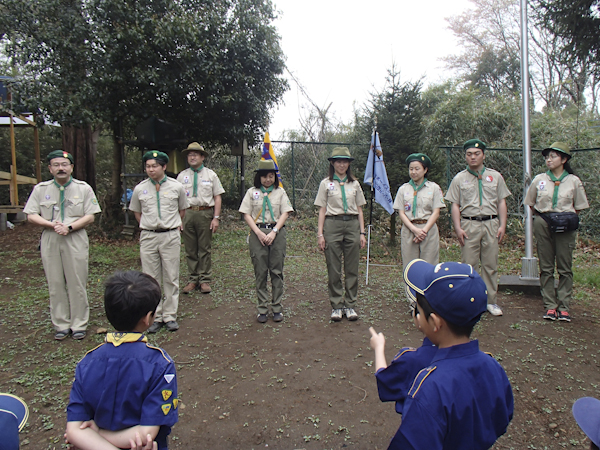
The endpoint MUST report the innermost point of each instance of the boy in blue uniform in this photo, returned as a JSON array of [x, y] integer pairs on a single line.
[[125, 391], [462, 399]]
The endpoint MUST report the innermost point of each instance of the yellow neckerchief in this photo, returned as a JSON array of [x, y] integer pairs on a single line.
[[119, 338]]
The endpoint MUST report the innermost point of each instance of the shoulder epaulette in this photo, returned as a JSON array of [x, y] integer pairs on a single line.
[[419, 379], [90, 351], [161, 351], [403, 351]]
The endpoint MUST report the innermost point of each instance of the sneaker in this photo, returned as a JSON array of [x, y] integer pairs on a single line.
[[336, 315], [277, 317], [494, 310], [172, 325], [61, 335], [550, 314], [155, 327], [189, 287], [351, 314], [262, 318], [564, 316]]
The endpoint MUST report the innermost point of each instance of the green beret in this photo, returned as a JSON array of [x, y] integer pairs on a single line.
[[559, 147], [340, 153], [421, 157], [158, 156], [195, 147], [266, 165], [60, 154], [474, 143]]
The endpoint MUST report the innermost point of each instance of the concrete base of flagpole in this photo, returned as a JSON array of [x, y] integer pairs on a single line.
[[528, 282]]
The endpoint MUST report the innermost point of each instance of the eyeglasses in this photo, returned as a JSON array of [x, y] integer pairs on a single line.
[[552, 156], [57, 165]]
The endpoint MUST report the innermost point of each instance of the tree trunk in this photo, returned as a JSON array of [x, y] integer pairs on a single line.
[[82, 143]]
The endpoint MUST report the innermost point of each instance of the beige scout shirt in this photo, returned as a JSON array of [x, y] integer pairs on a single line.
[[429, 198], [253, 202], [79, 201], [172, 200], [464, 190], [571, 195], [208, 186], [330, 196]]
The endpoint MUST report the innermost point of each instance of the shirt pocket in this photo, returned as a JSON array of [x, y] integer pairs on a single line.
[[47, 210], [426, 202], [565, 197], [171, 202], [74, 207], [469, 195]]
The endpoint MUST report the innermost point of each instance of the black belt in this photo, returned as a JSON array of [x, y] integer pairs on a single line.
[[268, 226], [480, 218], [344, 217], [162, 230]]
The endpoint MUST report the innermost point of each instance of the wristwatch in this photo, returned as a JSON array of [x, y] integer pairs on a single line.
[[215, 217], [70, 229], [275, 229]]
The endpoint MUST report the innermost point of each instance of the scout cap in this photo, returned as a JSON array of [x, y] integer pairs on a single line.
[[586, 412], [421, 157], [558, 147], [266, 165], [160, 157], [474, 143], [195, 147], [340, 153], [454, 290], [13, 417], [60, 154]]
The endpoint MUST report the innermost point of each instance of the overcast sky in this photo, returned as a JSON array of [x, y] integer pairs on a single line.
[[340, 50]]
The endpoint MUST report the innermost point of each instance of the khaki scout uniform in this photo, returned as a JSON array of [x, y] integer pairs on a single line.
[[197, 235], [482, 245], [267, 259], [557, 247], [429, 198], [65, 258], [160, 241], [342, 237]]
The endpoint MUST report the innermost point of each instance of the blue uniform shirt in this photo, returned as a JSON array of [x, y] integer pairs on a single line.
[[462, 400], [394, 381], [124, 383]]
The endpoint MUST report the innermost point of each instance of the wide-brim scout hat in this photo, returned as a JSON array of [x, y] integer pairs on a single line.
[[558, 147], [586, 412], [454, 290], [474, 143], [266, 165], [421, 157], [60, 154], [340, 153], [158, 156], [195, 147]]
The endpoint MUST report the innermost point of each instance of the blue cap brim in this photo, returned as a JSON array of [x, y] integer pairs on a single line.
[[586, 412], [16, 406]]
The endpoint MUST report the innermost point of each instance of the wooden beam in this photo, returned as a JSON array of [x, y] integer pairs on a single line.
[[21, 179]]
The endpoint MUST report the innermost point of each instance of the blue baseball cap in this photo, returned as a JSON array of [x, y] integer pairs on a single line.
[[13, 417], [454, 290], [586, 412]]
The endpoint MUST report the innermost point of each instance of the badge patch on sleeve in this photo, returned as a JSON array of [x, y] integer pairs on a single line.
[[169, 377], [166, 394], [175, 403], [489, 178], [166, 408]]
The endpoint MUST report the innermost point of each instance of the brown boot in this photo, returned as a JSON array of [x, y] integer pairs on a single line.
[[189, 288], [205, 288]]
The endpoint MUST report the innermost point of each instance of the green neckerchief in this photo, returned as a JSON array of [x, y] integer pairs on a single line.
[[62, 197], [556, 184], [342, 183], [266, 202], [416, 189], [157, 184], [479, 178], [196, 172]]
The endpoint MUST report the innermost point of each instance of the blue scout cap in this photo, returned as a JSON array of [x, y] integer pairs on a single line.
[[158, 156], [586, 412], [454, 290], [13, 417]]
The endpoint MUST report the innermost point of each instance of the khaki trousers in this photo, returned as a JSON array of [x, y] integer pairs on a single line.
[[268, 260], [65, 261], [160, 255], [427, 250], [342, 240], [481, 251], [197, 238], [551, 248]]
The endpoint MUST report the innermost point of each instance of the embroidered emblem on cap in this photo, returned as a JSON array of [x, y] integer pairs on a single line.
[[166, 394], [166, 408], [65, 155], [472, 299], [477, 144], [154, 154]]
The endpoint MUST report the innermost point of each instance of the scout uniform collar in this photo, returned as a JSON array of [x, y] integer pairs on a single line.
[[556, 185], [416, 189], [343, 188], [62, 188], [157, 184], [479, 178], [196, 172], [119, 338]]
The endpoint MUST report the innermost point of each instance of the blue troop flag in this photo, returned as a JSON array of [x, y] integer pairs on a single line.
[[268, 153], [376, 176]]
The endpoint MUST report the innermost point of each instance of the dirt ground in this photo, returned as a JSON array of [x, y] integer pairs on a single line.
[[304, 383]]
